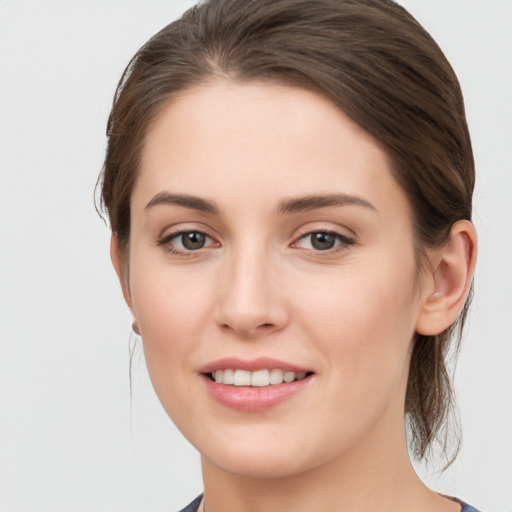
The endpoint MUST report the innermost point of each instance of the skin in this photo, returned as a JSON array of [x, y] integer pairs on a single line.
[[259, 288]]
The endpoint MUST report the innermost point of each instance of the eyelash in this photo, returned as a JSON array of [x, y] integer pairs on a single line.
[[165, 242], [342, 241]]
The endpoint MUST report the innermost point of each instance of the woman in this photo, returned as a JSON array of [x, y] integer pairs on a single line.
[[289, 189]]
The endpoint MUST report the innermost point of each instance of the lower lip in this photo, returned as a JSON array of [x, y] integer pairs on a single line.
[[253, 399]]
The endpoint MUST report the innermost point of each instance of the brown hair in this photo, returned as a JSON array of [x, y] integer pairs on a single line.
[[375, 62]]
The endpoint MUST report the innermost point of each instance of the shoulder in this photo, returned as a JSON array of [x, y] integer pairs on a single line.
[[192, 507], [468, 508]]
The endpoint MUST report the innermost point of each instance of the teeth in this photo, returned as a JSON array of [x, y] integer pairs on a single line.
[[242, 378], [289, 376], [259, 378], [276, 376], [228, 377]]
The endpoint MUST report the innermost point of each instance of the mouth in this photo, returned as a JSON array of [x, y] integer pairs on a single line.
[[255, 385], [259, 378]]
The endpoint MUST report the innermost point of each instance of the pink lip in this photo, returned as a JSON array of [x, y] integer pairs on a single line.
[[253, 399], [262, 363], [248, 398]]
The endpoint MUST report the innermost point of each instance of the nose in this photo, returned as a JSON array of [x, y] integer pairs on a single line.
[[251, 302]]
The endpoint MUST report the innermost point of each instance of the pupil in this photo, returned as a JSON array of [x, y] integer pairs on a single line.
[[193, 241], [323, 241]]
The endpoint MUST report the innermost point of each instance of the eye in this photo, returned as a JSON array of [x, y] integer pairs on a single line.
[[186, 241], [191, 241], [323, 241]]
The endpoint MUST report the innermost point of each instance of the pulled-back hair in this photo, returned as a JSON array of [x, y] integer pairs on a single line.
[[374, 61]]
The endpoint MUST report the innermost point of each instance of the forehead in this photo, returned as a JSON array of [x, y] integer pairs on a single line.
[[262, 141]]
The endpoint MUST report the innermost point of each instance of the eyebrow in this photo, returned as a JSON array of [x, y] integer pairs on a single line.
[[313, 202], [184, 200], [292, 205]]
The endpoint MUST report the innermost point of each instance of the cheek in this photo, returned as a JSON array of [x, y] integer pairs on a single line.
[[170, 306], [365, 334], [364, 321], [171, 309]]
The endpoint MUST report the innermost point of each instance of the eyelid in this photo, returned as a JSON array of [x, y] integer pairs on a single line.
[[166, 239], [344, 241], [179, 228], [176, 234], [343, 232]]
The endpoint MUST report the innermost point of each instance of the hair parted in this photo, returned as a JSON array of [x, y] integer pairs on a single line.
[[375, 62]]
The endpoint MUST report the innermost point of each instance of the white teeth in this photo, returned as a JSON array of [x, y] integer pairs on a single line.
[[276, 376], [242, 378], [289, 376], [229, 377], [259, 378]]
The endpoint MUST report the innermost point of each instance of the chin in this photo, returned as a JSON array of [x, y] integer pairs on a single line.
[[262, 457], [260, 466]]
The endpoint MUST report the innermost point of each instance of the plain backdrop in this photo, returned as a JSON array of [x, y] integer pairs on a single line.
[[70, 441]]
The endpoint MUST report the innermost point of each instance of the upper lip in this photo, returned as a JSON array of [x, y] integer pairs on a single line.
[[252, 365]]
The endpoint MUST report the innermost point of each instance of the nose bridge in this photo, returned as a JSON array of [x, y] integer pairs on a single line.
[[250, 301]]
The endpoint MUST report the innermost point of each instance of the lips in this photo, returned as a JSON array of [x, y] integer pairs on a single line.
[[254, 385], [252, 365]]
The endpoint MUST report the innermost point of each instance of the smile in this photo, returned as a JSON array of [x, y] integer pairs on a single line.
[[258, 378], [254, 385]]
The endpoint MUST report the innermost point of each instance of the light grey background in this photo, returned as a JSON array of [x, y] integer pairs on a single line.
[[69, 441]]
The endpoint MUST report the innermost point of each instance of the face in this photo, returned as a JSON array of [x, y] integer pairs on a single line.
[[271, 249]]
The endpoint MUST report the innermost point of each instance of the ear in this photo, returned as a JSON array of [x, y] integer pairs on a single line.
[[119, 266], [450, 280]]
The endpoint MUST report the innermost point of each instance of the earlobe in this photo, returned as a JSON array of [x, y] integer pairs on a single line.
[[135, 328], [452, 275], [119, 266]]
